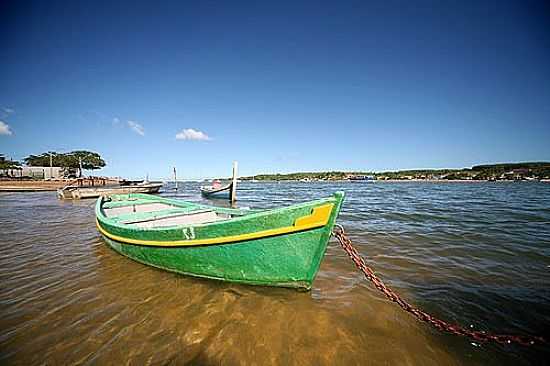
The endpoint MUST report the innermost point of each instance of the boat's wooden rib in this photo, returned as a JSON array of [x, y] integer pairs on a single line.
[[279, 247]]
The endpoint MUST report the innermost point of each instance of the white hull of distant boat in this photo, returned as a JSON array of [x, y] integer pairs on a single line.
[[73, 192]]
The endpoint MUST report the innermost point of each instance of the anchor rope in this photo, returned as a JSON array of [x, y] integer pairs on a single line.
[[479, 336]]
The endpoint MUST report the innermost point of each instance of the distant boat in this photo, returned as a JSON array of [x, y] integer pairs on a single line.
[[277, 247], [362, 178], [217, 190], [128, 182], [76, 192]]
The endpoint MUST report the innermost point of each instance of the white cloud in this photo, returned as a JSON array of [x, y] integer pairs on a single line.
[[137, 128], [191, 134], [116, 121], [4, 128]]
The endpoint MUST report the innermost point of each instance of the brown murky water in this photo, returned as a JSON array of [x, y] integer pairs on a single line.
[[66, 298]]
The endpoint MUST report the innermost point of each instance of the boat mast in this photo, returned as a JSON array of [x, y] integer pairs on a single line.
[[233, 194]]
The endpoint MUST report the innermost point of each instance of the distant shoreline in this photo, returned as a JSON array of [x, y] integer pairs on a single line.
[[402, 181], [483, 173]]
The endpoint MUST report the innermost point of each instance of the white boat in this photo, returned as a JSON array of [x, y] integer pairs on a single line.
[[76, 192]]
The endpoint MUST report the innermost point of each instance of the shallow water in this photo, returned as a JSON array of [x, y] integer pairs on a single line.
[[473, 253]]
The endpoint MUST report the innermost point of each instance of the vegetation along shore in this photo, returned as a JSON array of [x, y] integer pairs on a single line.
[[490, 172]]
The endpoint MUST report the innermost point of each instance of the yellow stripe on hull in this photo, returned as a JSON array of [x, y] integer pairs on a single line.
[[318, 218]]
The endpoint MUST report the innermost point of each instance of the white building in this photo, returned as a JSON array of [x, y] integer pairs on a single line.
[[37, 172]]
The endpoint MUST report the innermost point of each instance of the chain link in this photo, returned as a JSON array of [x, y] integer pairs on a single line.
[[479, 336]]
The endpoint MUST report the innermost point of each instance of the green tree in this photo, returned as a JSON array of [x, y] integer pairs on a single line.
[[44, 159], [8, 164], [90, 160], [74, 159]]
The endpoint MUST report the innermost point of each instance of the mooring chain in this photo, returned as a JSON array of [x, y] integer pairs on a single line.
[[479, 336]]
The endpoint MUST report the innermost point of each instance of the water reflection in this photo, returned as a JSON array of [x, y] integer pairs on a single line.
[[465, 252]]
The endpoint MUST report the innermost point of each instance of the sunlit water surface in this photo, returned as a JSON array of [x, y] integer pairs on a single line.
[[477, 254]]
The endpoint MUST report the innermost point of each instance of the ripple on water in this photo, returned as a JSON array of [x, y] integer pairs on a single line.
[[471, 253]]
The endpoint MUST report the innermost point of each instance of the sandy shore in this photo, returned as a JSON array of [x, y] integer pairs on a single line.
[[41, 185]]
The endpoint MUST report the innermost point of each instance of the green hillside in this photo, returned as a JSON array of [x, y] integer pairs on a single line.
[[500, 171]]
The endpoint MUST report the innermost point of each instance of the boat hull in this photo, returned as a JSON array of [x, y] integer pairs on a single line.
[[88, 192], [273, 248], [222, 192], [289, 262]]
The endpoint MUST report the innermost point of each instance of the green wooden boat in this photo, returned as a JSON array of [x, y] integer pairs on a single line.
[[277, 247]]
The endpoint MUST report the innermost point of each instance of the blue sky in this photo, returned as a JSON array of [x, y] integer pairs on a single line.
[[279, 86]]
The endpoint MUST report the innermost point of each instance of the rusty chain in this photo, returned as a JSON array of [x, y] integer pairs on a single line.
[[479, 336]]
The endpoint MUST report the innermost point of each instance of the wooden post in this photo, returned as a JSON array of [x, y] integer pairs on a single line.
[[233, 194]]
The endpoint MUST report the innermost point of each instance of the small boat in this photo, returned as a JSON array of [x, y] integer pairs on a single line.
[[276, 247], [128, 182], [217, 190], [77, 192], [364, 178]]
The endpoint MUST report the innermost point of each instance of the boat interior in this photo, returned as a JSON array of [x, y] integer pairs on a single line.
[[159, 214]]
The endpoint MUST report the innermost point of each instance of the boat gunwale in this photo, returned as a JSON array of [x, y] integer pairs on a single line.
[[245, 216], [335, 201], [183, 245]]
